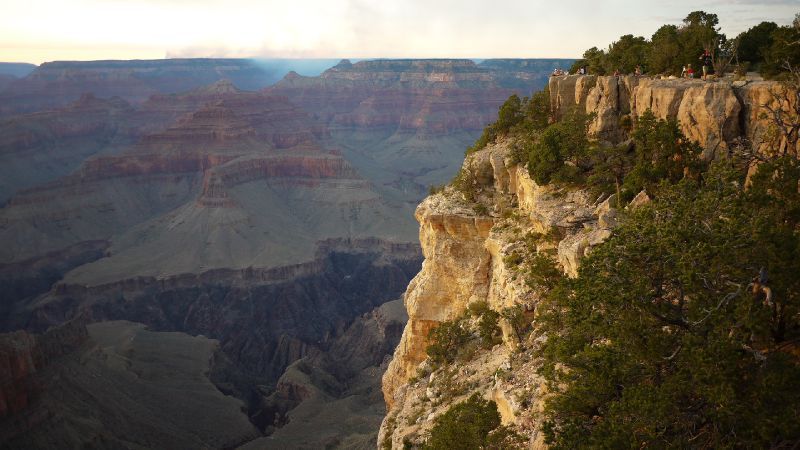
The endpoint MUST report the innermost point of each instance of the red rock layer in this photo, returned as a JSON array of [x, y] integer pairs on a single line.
[[86, 117], [23, 354], [435, 96], [17, 366]]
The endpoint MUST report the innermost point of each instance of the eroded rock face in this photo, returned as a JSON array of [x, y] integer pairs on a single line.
[[40, 147], [471, 258], [314, 392], [454, 274], [434, 96], [23, 355], [217, 171], [715, 114], [17, 366], [708, 112], [123, 386]]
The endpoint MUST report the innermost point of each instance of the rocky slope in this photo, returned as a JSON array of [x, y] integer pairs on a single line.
[[473, 249], [23, 355], [122, 386], [40, 147], [467, 260], [336, 394]]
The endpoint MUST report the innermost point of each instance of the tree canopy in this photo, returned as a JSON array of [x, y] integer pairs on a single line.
[[666, 340]]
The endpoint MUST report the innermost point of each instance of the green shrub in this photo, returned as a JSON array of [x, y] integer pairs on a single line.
[[464, 426], [545, 157], [526, 116], [505, 438], [512, 259], [662, 153], [610, 165], [660, 341], [445, 341], [542, 273], [509, 115], [480, 209], [464, 182], [488, 328], [515, 317], [559, 153]]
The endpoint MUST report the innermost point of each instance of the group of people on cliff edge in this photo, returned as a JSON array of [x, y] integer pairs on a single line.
[[707, 61]]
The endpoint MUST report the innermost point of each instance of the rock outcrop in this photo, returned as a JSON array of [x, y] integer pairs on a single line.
[[23, 355], [719, 115], [17, 366], [125, 386], [472, 257], [473, 244]]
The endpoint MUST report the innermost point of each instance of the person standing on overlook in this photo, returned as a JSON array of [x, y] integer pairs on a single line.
[[707, 61]]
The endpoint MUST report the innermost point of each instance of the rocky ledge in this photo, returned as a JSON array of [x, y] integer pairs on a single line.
[[718, 114], [469, 259]]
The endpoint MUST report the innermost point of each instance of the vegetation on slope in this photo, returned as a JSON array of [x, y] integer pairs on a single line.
[[683, 329], [668, 337], [472, 424]]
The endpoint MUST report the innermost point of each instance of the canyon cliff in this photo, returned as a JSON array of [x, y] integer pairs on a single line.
[[718, 115], [118, 385], [473, 244], [57, 83], [404, 124], [276, 222]]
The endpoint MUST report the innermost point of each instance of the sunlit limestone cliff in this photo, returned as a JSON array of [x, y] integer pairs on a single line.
[[476, 232]]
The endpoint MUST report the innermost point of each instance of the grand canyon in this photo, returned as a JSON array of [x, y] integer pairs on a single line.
[[361, 224], [206, 222]]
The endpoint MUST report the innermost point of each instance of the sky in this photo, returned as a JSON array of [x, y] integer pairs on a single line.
[[36, 31]]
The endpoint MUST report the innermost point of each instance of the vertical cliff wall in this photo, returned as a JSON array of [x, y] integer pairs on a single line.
[[716, 114], [472, 248], [470, 257]]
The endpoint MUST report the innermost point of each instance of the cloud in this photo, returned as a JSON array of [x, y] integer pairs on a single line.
[[351, 28]]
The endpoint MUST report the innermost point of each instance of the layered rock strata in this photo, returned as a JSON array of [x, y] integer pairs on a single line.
[[57, 83], [404, 124]]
